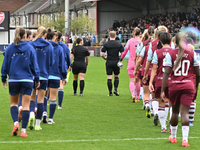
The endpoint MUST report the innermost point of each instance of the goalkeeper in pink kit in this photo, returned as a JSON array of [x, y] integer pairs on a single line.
[[131, 47]]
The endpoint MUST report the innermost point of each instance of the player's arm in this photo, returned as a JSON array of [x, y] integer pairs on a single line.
[[71, 56], [103, 50], [168, 65], [196, 70], [148, 62], [153, 73], [138, 63]]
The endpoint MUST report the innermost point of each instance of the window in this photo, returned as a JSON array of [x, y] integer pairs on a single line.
[[90, 13]]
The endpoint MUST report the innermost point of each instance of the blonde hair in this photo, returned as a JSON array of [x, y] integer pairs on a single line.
[[136, 31], [112, 34], [41, 32], [144, 35], [19, 33], [158, 30]]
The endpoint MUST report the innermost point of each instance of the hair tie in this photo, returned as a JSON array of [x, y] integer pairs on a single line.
[[76, 44]]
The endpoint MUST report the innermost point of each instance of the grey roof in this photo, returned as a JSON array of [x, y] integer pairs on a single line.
[[80, 5], [32, 7]]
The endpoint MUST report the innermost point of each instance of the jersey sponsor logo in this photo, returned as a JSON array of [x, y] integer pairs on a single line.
[[2, 17]]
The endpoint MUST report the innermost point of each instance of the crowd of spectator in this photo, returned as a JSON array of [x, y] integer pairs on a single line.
[[173, 21]]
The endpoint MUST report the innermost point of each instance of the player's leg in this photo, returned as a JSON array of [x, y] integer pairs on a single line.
[[40, 105], [46, 98], [146, 100], [137, 85], [186, 99], [26, 91], [116, 71], [32, 110], [14, 112], [132, 87], [20, 108], [60, 95], [109, 71], [191, 113], [52, 107], [82, 82], [75, 83]]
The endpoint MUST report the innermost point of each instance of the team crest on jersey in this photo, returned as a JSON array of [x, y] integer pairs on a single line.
[[2, 17]]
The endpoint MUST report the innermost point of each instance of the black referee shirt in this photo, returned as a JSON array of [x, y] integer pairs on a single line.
[[80, 53], [112, 48]]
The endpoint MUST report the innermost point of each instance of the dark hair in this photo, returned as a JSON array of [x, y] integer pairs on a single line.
[[180, 51], [151, 31], [28, 33], [78, 40], [164, 38], [58, 36], [19, 33], [50, 34]]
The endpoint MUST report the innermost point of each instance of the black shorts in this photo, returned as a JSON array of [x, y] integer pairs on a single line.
[[43, 85], [111, 66], [78, 67], [20, 88], [53, 83]]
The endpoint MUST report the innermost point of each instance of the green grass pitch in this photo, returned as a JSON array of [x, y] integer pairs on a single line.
[[95, 121]]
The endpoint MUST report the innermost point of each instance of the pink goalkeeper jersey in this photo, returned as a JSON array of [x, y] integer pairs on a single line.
[[131, 47]]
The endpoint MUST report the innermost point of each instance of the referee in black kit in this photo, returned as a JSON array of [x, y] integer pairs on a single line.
[[112, 48]]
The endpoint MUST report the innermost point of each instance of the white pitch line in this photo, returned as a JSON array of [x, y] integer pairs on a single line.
[[90, 140]]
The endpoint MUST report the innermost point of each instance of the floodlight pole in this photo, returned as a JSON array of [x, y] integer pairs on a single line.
[[66, 17]]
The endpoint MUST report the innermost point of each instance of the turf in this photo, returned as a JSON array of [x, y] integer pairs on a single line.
[[95, 121]]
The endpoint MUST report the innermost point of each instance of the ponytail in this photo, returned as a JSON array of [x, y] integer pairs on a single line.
[[58, 36], [41, 32], [180, 51], [19, 33], [76, 43], [50, 34]]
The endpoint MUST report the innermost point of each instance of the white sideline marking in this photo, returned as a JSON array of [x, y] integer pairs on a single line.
[[90, 140]]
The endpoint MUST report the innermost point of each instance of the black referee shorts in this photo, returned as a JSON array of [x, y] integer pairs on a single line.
[[78, 67], [111, 66]]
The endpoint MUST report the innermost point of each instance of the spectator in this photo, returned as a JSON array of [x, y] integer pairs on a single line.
[[115, 25], [123, 23], [87, 42]]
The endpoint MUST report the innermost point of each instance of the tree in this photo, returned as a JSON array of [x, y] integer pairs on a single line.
[[82, 24], [56, 22]]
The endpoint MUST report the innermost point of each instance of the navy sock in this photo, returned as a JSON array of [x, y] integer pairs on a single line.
[[25, 117], [36, 101], [20, 100], [14, 113], [52, 109], [60, 97], [40, 110], [45, 103], [32, 106]]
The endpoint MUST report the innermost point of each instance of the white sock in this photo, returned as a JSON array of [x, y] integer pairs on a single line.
[[141, 91], [155, 106], [20, 108], [147, 105], [32, 114], [166, 112], [161, 116], [23, 129], [150, 96], [174, 131], [35, 108], [15, 122], [44, 113], [37, 122], [185, 133], [50, 119], [170, 113]]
